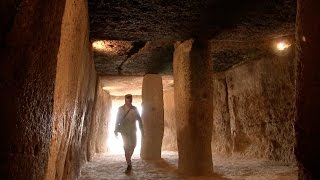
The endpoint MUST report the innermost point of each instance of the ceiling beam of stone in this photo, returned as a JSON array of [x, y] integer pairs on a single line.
[[139, 35]]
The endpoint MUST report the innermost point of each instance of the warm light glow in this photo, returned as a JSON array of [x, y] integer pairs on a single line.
[[108, 88], [100, 45], [103, 45], [115, 145], [282, 46]]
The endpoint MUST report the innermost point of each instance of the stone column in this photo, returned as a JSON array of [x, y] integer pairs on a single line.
[[307, 124], [152, 117], [192, 70]]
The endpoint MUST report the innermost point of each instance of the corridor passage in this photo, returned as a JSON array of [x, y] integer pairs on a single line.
[[111, 167]]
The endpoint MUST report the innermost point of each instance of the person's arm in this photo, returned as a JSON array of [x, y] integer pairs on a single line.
[[140, 122]]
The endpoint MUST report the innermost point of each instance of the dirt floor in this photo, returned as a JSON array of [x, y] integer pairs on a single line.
[[113, 167]]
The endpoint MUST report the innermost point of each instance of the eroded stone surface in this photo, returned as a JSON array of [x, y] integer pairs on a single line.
[[146, 30], [193, 102], [100, 121], [261, 108], [253, 111], [27, 78], [169, 142], [152, 117], [178, 20], [74, 95]]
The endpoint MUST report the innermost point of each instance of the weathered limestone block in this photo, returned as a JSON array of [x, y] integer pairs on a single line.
[[30, 42], [261, 107], [221, 135], [104, 109], [193, 101], [98, 131], [307, 125], [169, 142], [74, 93], [152, 117]]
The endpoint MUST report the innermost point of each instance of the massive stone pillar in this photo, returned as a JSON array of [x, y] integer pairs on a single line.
[[28, 65], [152, 117], [307, 124], [193, 101]]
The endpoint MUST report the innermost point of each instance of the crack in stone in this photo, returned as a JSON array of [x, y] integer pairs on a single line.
[[136, 46]]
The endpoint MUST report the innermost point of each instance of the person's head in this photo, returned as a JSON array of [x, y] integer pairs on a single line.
[[128, 99]]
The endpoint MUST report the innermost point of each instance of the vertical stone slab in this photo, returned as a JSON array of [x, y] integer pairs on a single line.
[[307, 124], [98, 130], [152, 117], [27, 79], [192, 70], [169, 142]]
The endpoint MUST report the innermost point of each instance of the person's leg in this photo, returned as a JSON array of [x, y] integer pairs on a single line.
[[129, 143], [126, 148], [128, 155], [132, 145]]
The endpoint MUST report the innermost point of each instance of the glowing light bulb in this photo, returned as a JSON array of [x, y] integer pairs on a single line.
[[98, 45], [282, 46]]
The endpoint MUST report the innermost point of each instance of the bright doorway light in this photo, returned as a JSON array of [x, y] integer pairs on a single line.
[[115, 144]]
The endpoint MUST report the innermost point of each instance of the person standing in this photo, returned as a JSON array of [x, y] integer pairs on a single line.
[[126, 125]]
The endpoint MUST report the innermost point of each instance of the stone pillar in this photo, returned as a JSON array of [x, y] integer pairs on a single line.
[[192, 69], [307, 124], [152, 117]]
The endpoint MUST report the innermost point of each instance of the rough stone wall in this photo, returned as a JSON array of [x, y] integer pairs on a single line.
[[74, 94], [152, 117], [192, 70], [307, 123], [254, 109], [221, 143], [169, 142], [100, 122], [27, 76]]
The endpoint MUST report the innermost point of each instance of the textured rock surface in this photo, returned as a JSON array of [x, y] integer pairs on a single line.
[[101, 117], [256, 99], [261, 108], [152, 117], [253, 110], [192, 70], [307, 125], [103, 111], [138, 34], [74, 95], [178, 20], [133, 57], [221, 143], [169, 142], [27, 75]]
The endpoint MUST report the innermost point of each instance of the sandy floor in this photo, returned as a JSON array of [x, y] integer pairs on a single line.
[[113, 167]]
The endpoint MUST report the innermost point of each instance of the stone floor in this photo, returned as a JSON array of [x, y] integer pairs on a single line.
[[113, 166]]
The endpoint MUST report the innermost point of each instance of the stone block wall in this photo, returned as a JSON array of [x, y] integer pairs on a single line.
[[169, 142], [253, 110], [30, 40], [261, 108], [73, 95], [100, 122]]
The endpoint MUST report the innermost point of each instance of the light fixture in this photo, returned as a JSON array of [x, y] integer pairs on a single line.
[[282, 45], [99, 45]]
